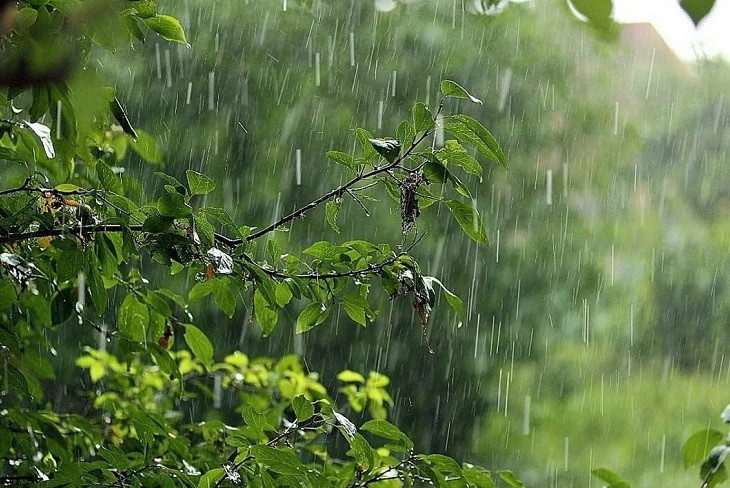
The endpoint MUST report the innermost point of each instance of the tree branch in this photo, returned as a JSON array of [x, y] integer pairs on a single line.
[[337, 191]]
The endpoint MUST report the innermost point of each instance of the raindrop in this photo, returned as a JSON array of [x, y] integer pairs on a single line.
[[217, 390], [352, 49], [158, 62], [211, 90], [549, 186], [168, 69], [299, 166], [58, 119], [316, 69], [380, 115]]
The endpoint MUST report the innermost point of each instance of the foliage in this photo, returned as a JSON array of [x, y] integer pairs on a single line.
[[78, 230]]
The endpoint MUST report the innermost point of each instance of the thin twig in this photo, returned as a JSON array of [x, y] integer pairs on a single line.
[[354, 197]]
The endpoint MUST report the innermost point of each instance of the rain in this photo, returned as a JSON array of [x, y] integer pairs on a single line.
[[594, 332]]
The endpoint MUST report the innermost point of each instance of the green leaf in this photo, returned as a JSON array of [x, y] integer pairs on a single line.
[[467, 129], [7, 154], [173, 182], [173, 205], [205, 230], [223, 217], [283, 294], [199, 344], [361, 450], [167, 27], [303, 408], [422, 118], [454, 153], [115, 456], [349, 376], [224, 296], [95, 283], [443, 464], [265, 316], [146, 148], [452, 89], [120, 114], [331, 211], [133, 319], [322, 250], [697, 9], [477, 477], [264, 284], [613, 480], [278, 460], [107, 178], [199, 183], [40, 103], [388, 148], [698, 445], [510, 478], [200, 290], [311, 316], [386, 430], [132, 25], [598, 14], [469, 220], [355, 306], [454, 301], [342, 158], [364, 136], [164, 360], [405, 133], [211, 478]]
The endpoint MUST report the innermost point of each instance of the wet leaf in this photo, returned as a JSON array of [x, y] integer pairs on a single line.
[[405, 133], [355, 306], [146, 147], [452, 89], [386, 430], [613, 480], [303, 408], [331, 211], [454, 301], [278, 460], [598, 14], [511, 479], [120, 114], [199, 183], [167, 27], [211, 478], [133, 319], [265, 316], [698, 445], [467, 129], [312, 315], [422, 118], [224, 296], [342, 158], [43, 132], [697, 9], [199, 344], [469, 220], [454, 153], [388, 148]]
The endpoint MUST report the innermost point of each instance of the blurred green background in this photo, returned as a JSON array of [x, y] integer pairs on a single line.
[[596, 330]]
